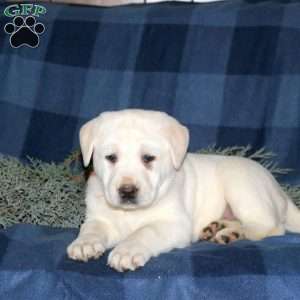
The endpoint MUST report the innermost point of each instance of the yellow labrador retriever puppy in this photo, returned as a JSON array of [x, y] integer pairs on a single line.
[[148, 196]]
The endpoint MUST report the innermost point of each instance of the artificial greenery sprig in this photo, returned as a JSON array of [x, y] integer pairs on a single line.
[[53, 193]]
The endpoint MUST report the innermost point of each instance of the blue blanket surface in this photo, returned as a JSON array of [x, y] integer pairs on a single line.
[[34, 265], [229, 70]]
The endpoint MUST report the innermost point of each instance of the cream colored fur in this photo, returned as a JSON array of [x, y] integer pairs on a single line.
[[179, 194]]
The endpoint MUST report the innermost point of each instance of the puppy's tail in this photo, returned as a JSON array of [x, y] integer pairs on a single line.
[[293, 217]]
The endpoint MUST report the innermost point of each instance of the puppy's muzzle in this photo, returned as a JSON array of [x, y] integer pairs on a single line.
[[128, 193]]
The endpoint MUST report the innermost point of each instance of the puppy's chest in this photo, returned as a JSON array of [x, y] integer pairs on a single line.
[[127, 222]]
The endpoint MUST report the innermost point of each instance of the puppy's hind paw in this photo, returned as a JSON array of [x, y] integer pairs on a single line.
[[209, 232], [223, 232], [228, 235]]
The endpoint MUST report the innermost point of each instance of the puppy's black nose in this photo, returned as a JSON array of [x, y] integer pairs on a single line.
[[128, 193]]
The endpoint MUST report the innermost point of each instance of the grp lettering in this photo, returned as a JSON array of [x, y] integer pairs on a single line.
[[24, 10]]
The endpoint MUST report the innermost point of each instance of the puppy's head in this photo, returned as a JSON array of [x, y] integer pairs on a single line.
[[135, 154]]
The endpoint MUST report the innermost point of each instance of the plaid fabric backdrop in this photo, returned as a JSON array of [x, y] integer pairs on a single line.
[[34, 266], [229, 70]]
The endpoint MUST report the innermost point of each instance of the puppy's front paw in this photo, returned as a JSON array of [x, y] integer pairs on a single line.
[[127, 256], [85, 248]]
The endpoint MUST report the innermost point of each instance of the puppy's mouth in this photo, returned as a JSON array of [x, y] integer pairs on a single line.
[[128, 205]]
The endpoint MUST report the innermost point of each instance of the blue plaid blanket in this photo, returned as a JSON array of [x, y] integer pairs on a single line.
[[230, 71], [34, 266]]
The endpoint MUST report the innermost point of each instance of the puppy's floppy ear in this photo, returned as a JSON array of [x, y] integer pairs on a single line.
[[178, 137], [87, 140]]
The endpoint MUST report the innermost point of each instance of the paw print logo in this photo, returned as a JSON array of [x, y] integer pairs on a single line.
[[24, 31]]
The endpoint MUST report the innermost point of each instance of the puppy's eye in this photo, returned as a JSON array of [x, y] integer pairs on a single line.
[[111, 158], [147, 159]]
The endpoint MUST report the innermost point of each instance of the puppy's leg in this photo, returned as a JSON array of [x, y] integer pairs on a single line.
[[94, 237], [255, 198], [225, 231], [256, 231], [149, 241], [260, 219]]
